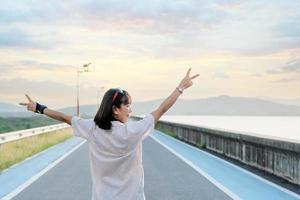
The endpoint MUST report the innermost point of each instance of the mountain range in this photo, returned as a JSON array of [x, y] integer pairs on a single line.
[[219, 105]]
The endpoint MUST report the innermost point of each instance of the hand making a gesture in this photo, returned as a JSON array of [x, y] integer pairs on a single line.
[[31, 105], [187, 80]]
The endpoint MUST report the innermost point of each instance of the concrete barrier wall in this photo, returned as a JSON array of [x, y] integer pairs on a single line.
[[278, 157]]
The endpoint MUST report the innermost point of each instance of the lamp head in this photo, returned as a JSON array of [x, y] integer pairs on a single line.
[[86, 67]]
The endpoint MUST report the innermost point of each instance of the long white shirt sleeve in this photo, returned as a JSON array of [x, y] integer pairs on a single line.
[[116, 157]]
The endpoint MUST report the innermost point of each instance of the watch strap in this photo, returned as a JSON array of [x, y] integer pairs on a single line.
[[179, 89]]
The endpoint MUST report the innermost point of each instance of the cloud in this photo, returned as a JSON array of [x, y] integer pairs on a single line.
[[221, 75], [34, 65], [256, 75], [17, 38], [124, 21], [184, 28], [257, 28], [32, 11], [289, 67], [288, 26], [160, 16], [151, 17], [287, 80], [49, 92], [12, 88], [21, 85]]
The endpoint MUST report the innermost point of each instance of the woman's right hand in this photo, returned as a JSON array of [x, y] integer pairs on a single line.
[[187, 80], [31, 105]]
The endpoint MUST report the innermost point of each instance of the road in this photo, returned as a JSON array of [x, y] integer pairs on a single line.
[[166, 177]]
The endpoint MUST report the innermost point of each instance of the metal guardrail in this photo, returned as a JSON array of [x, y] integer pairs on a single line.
[[16, 135]]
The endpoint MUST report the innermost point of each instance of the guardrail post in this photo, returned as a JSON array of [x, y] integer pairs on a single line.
[[203, 140], [244, 152]]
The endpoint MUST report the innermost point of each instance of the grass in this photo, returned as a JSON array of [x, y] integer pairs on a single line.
[[16, 151], [168, 132], [203, 146]]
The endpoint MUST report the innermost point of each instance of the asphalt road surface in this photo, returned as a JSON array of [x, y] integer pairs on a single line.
[[166, 177]]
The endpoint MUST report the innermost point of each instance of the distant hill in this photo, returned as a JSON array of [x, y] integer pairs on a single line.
[[222, 105], [5, 107], [10, 110], [219, 105], [89, 110], [295, 101]]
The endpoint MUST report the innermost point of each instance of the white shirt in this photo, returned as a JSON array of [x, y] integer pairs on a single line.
[[115, 157]]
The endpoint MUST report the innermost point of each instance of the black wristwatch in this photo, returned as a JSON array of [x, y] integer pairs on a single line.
[[40, 108]]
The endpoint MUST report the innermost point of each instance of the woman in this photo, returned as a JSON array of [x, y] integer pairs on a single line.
[[115, 144]]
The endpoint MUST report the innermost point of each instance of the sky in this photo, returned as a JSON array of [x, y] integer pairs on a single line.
[[239, 48]]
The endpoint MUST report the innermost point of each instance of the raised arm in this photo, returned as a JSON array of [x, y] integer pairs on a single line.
[[185, 83], [32, 106]]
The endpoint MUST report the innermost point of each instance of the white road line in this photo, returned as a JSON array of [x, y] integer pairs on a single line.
[[239, 168], [38, 175], [200, 171]]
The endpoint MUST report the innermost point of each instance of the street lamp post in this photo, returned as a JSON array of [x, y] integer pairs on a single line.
[[98, 94], [79, 71]]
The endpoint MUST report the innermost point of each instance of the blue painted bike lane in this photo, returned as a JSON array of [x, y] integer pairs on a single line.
[[13, 179], [233, 180]]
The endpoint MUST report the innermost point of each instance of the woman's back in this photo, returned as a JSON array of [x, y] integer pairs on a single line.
[[116, 156]]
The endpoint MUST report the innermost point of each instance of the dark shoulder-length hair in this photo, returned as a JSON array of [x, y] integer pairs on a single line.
[[112, 97]]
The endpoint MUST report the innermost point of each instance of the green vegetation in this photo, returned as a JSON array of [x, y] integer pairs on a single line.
[[16, 151], [167, 131], [174, 134], [203, 146], [19, 123]]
